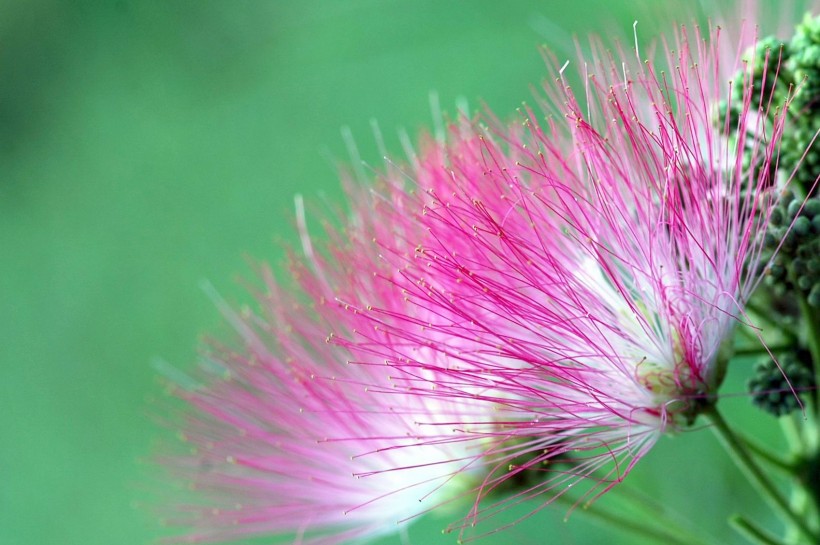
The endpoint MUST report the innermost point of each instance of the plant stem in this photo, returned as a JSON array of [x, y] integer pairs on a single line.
[[757, 477], [769, 456], [764, 316], [751, 532], [812, 319], [799, 504], [749, 351], [793, 434], [802, 443], [649, 509], [659, 535], [664, 522], [759, 350]]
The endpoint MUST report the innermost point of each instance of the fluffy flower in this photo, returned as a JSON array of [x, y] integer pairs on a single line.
[[542, 303], [289, 439], [580, 275]]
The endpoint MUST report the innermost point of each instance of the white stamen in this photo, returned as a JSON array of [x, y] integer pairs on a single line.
[[377, 135], [561, 71], [407, 146], [626, 81], [463, 105], [301, 225], [438, 117], [353, 151], [586, 90]]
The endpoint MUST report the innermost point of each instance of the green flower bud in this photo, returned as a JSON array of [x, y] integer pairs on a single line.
[[771, 386]]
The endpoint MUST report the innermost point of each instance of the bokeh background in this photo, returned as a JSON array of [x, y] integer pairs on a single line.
[[148, 146]]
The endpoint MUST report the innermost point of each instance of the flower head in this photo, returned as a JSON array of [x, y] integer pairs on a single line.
[[580, 275], [287, 437], [545, 299]]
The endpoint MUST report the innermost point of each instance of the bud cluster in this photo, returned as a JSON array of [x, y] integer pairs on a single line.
[[804, 60], [804, 68], [795, 228], [781, 71], [785, 72], [773, 392]]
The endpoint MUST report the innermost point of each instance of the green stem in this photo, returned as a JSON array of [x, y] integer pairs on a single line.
[[743, 459], [643, 505], [759, 350], [801, 440], [750, 531], [810, 437], [659, 535], [649, 509], [656, 520], [799, 504], [812, 319], [792, 433], [769, 456], [763, 315]]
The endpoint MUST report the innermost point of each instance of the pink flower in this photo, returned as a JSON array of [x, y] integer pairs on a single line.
[[580, 275], [288, 438], [541, 298]]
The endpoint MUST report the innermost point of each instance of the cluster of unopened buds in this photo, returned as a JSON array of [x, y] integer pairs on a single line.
[[519, 311]]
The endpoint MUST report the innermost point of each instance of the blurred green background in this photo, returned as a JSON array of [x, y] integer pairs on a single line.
[[146, 146]]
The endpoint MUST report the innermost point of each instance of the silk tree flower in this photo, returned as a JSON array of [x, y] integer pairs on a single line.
[[287, 437], [554, 304], [581, 275]]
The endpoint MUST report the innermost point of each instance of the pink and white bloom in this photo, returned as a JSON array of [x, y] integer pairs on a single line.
[[290, 439], [550, 298], [580, 275]]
